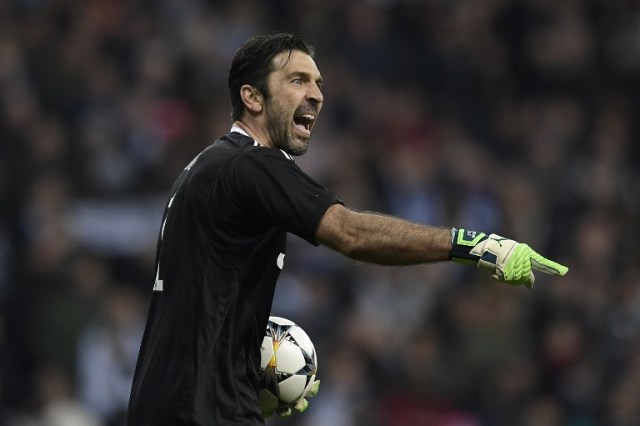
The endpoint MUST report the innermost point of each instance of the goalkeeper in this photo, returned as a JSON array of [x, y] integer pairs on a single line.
[[222, 245]]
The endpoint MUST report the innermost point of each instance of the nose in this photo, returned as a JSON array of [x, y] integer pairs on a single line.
[[314, 95]]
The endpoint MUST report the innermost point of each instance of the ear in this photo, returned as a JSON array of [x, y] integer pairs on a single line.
[[252, 99]]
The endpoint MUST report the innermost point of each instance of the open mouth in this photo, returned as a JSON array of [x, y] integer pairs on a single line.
[[304, 122]]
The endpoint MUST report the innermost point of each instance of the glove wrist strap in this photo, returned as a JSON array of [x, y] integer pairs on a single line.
[[462, 242]]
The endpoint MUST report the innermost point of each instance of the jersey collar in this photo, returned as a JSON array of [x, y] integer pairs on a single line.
[[238, 129]]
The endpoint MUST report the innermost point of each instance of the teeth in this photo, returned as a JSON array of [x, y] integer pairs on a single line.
[[306, 120]]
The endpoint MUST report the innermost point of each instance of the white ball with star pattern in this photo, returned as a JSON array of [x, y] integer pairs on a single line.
[[288, 365]]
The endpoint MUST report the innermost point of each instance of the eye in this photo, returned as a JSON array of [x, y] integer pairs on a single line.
[[297, 81]]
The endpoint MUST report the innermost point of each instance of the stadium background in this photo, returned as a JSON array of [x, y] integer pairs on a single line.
[[516, 116]]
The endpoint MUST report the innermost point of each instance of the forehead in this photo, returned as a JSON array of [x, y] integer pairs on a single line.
[[295, 62]]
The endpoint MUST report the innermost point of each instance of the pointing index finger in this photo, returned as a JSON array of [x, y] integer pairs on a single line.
[[542, 264]]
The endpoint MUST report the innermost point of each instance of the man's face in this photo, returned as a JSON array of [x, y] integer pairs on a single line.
[[294, 101]]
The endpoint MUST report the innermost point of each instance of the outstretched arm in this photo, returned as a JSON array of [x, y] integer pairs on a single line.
[[388, 240]]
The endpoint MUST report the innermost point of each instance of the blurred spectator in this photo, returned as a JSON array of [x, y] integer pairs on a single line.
[[54, 403], [107, 354], [64, 308], [60, 407]]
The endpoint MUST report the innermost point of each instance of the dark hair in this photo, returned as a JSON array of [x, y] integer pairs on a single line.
[[252, 64]]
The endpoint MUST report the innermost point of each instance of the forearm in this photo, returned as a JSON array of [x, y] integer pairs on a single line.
[[382, 239], [388, 240]]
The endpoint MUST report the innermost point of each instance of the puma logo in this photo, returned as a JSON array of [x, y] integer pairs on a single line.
[[499, 240]]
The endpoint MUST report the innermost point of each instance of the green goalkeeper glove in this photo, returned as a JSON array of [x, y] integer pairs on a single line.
[[506, 260], [301, 404]]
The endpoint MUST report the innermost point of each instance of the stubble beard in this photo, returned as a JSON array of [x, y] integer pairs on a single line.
[[279, 129]]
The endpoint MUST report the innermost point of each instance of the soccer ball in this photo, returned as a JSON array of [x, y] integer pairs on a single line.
[[288, 365]]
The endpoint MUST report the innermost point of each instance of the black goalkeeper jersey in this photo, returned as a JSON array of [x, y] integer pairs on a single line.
[[220, 251]]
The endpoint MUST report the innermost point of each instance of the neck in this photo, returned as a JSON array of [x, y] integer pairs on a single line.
[[256, 133]]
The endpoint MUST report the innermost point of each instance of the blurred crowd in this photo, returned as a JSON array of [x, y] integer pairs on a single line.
[[509, 116]]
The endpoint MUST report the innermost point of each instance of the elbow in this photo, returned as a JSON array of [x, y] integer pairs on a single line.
[[349, 241], [338, 231], [348, 245]]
